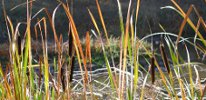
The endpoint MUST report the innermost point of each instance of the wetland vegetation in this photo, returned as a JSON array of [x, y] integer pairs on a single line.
[[47, 52]]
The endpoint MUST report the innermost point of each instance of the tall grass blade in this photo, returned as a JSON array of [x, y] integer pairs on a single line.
[[88, 53], [78, 46], [136, 68], [190, 74], [113, 83], [125, 45], [102, 20], [182, 13], [183, 24]]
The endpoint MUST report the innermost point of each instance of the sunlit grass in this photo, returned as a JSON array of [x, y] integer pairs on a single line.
[[131, 66]]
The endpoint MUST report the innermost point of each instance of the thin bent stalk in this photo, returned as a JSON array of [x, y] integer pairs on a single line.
[[112, 79], [182, 13]]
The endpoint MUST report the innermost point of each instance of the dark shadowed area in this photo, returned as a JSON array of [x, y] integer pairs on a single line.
[[149, 18], [150, 15]]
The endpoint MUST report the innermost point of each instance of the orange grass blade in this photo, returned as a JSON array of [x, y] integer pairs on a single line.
[[183, 24], [189, 21], [105, 30], [88, 51], [94, 22], [75, 33], [102, 20], [163, 77], [137, 10], [77, 44]]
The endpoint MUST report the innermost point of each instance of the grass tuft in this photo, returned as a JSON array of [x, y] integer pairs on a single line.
[[129, 68]]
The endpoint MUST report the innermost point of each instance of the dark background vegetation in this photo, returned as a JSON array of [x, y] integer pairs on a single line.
[[150, 15]]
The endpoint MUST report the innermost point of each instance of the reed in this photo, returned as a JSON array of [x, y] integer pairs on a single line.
[[48, 71]]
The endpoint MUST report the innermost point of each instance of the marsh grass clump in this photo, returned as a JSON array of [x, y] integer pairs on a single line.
[[131, 67]]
